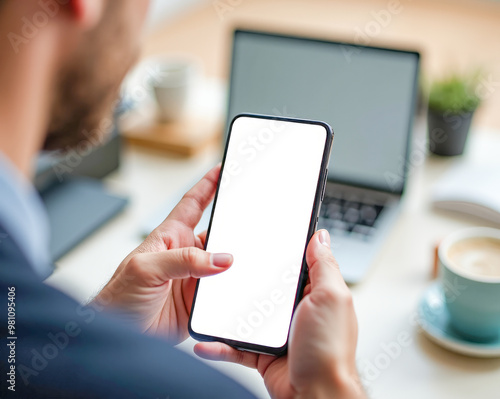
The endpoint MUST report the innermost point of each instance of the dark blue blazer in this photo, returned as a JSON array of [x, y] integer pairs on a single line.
[[65, 350]]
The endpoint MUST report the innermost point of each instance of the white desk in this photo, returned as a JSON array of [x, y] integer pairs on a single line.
[[385, 301]]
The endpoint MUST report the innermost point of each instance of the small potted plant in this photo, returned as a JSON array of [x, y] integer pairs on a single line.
[[452, 102]]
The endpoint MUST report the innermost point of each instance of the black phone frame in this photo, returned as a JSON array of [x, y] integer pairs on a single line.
[[318, 198]]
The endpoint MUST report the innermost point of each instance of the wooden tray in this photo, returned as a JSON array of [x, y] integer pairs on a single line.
[[186, 137]]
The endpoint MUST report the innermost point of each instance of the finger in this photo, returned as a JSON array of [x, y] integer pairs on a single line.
[[323, 268], [155, 268], [221, 352], [307, 290], [203, 238], [190, 208]]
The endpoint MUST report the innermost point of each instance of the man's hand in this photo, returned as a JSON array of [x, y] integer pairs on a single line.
[[321, 353], [155, 284]]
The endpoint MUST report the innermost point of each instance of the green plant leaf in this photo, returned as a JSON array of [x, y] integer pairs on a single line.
[[454, 94]]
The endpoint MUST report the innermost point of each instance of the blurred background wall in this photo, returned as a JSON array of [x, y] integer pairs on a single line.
[[161, 11], [452, 35]]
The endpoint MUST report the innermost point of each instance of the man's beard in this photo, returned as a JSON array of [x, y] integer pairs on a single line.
[[87, 87]]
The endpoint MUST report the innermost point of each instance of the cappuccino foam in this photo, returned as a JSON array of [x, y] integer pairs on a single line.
[[479, 256]]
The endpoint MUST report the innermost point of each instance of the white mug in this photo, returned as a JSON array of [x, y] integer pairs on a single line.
[[171, 85]]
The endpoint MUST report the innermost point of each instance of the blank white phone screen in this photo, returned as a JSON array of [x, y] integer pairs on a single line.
[[261, 216]]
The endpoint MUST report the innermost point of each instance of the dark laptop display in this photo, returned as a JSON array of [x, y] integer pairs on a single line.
[[366, 94]]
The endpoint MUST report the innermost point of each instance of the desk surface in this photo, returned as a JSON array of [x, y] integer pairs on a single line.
[[385, 302]]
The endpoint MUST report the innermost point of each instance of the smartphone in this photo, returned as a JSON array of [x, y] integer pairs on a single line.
[[265, 210]]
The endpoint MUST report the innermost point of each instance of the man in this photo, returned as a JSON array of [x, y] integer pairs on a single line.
[[62, 62]]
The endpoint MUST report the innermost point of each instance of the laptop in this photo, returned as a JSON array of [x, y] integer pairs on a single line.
[[368, 95]]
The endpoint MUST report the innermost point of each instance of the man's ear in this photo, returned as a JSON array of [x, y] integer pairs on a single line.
[[87, 13]]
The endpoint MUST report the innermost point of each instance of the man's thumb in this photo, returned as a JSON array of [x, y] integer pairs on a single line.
[[323, 268], [159, 267]]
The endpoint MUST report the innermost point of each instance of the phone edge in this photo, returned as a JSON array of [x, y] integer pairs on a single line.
[[322, 180]]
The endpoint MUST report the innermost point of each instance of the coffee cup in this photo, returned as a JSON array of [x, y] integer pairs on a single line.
[[469, 263], [172, 85]]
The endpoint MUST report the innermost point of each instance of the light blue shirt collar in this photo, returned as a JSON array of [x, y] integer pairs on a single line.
[[23, 215]]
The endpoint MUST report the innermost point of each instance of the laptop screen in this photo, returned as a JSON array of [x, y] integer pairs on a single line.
[[366, 94]]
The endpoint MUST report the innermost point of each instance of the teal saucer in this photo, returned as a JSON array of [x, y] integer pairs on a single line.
[[434, 320]]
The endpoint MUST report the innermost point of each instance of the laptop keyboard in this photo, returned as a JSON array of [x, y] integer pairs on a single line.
[[349, 216]]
